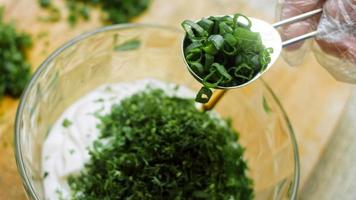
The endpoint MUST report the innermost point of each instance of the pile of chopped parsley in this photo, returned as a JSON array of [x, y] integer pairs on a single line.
[[157, 147], [116, 11], [224, 51], [14, 69]]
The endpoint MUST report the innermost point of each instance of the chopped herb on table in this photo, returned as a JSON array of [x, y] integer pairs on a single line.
[[115, 11], [157, 147], [77, 10], [14, 69], [54, 15], [120, 11], [223, 51], [44, 3]]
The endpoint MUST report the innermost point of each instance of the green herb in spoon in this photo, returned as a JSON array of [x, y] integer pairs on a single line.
[[223, 51]]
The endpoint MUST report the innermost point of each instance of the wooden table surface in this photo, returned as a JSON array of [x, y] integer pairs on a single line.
[[313, 100]]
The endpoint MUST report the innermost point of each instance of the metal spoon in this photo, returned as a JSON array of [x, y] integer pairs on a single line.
[[270, 38]]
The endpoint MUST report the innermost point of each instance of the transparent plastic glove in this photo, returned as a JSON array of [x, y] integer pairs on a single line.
[[335, 45]]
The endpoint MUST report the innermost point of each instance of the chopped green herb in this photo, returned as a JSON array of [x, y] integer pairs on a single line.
[[45, 174], [77, 10], [100, 100], [66, 123], [42, 34], [224, 52], [176, 88], [265, 105], [108, 89], [54, 14], [45, 3], [153, 146], [72, 151], [128, 45], [14, 69], [59, 194], [116, 11], [120, 11], [203, 95]]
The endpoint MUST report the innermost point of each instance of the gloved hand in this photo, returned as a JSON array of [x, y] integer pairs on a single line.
[[335, 44]]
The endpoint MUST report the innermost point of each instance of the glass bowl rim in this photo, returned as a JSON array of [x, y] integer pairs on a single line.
[[28, 186]]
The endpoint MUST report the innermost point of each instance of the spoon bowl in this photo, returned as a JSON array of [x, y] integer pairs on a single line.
[[270, 39]]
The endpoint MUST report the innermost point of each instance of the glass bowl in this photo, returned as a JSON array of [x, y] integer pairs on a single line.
[[91, 60]]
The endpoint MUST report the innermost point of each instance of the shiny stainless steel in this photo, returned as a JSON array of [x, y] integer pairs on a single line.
[[297, 18], [299, 38]]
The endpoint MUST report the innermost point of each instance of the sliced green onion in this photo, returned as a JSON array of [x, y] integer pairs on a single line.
[[189, 26], [197, 67], [223, 51], [229, 50], [230, 39], [224, 28], [214, 44], [222, 59], [192, 46], [265, 57], [209, 60], [206, 81], [244, 71], [194, 56], [236, 20], [248, 41], [255, 60], [226, 18], [203, 95], [206, 24], [238, 59], [222, 71]]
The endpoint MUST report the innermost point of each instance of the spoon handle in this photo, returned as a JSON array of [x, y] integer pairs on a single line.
[[297, 18], [299, 38], [217, 95]]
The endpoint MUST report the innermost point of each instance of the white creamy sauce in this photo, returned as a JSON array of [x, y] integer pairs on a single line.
[[65, 150]]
